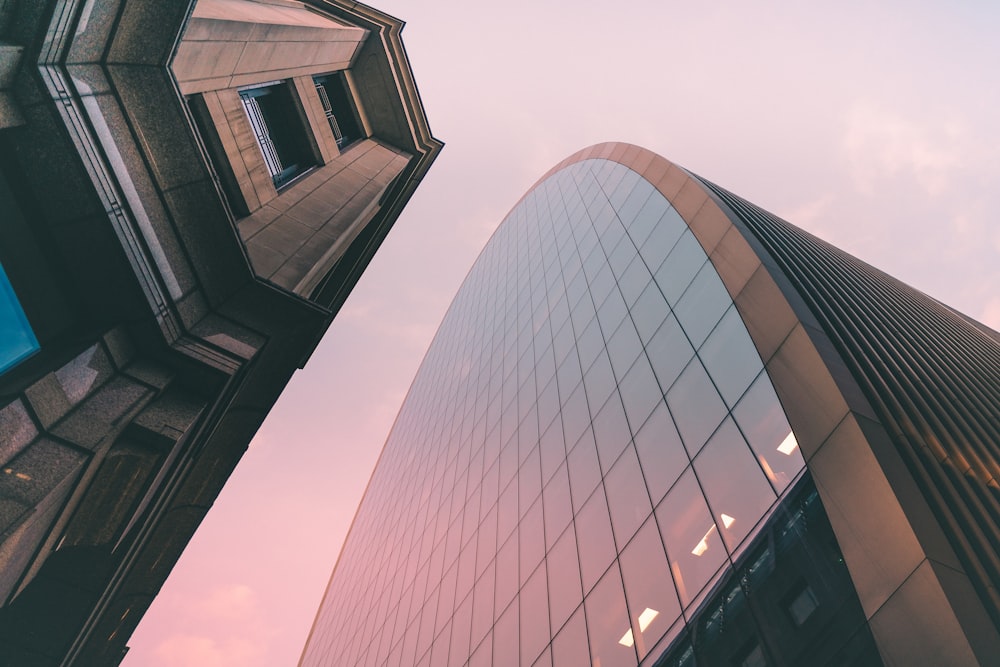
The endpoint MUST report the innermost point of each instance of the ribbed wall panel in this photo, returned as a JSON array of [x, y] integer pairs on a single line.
[[932, 376]]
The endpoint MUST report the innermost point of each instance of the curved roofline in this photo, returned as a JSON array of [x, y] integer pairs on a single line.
[[886, 529]]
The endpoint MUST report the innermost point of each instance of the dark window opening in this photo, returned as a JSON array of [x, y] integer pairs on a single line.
[[339, 108], [801, 602], [752, 655], [279, 131]]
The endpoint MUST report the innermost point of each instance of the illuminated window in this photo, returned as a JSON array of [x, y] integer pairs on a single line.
[[17, 340]]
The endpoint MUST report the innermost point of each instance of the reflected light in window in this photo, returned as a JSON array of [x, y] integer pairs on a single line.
[[702, 546], [645, 618], [727, 520], [788, 445]]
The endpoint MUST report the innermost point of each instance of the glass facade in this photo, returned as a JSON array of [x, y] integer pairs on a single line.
[[590, 464]]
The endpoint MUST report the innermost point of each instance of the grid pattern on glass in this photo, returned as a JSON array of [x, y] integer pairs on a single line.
[[549, 454]]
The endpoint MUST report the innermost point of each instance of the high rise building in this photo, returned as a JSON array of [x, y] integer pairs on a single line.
[[661, 426], [188, 192]]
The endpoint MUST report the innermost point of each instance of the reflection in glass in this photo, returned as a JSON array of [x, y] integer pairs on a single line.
[[608, 623], [693, 545], [737, 490], [537, 440], [649, 589], [763, 422]]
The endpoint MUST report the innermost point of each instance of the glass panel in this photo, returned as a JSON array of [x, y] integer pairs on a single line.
[[623, 347], [507, 511], [611, 431], [505, 637], [627, 497], [680, 267], [534, 617], [693, 544], [640, 393], [597, 544], [544, 660], [645, 220], [660, 452], [611, 312], [591, 342], [531, 535], [17, 340], [696, 406], [482, 605], [483, 656], [599, 381], [529, 480], [570, 647], [584, 469], [702, 305], [649, 312], [730, 357], [565, 591], [507, 581], [735, 486], [649, 588], [763, 422], [575, 415], [608, 626], [634, 280], [558, 505], [553, 452], [669, 351], [662, 239]]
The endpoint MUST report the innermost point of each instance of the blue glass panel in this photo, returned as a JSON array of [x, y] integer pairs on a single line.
[[17, 340]]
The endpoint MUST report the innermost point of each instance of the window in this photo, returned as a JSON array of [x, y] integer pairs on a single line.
[[279, 130], [337, 105], [801, 602], [17, 340], [752, 655]]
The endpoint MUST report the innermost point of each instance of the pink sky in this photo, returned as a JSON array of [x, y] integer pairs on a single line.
[[874, 127]]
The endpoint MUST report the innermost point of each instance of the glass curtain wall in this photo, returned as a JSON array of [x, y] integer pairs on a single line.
[[589, 452]]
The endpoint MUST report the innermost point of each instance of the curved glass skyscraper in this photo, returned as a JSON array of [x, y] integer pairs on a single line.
[[660, 426]]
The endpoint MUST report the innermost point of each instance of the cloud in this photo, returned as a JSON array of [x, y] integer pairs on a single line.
[[234, 602], [199, 651], [224, 626], [881, 143]]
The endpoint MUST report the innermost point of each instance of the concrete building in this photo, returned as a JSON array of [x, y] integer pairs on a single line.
[[188, 193], [660, 426]]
